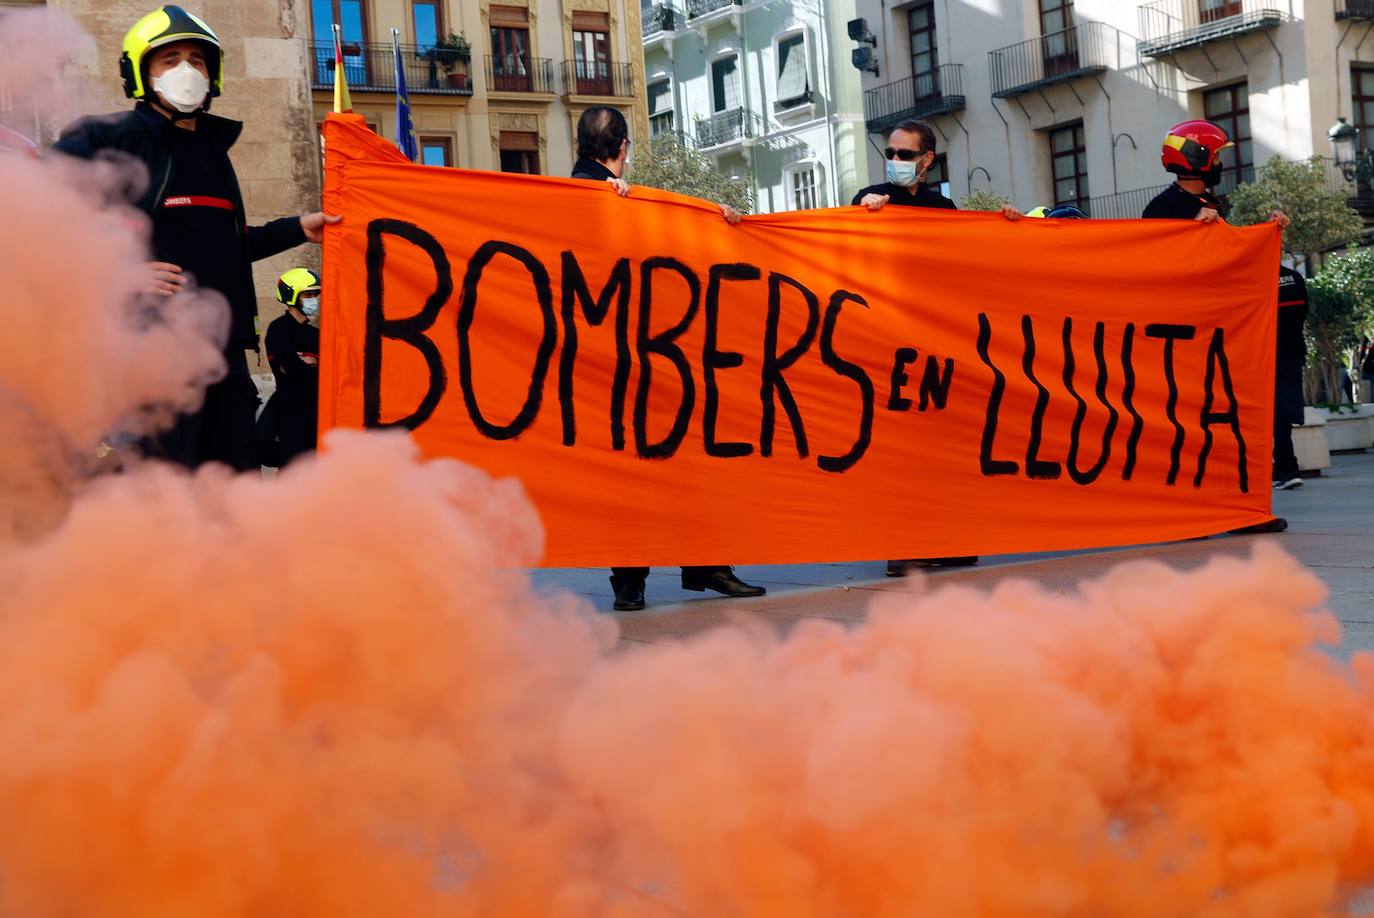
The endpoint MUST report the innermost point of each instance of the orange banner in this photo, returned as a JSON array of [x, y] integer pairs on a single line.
[[821, 386]]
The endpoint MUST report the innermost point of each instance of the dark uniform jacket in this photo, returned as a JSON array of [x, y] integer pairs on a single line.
[[146, 136], [923, 196]]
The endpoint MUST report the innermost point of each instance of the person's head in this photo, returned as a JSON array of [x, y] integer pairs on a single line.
[[604, 136], [299, 291], [174, 60], [910, 153], [1192, 151]]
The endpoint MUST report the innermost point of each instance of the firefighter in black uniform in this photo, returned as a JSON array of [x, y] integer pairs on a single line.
[[293, 353], [173, 66], [1192, 152]]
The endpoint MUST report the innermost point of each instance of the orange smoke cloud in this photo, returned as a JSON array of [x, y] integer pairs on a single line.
[[334, 693], [327, 694]]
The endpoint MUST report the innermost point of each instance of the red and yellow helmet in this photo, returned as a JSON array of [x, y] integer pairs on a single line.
[[1194, 148]]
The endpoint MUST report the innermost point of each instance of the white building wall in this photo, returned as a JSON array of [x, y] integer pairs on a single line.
[[1298, 75], [826, 136]]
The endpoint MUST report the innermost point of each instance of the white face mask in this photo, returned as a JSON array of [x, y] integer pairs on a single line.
[[310, 305], [184, 87]]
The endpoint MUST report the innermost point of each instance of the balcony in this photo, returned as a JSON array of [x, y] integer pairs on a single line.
[[1078, 51], [516, 73], [697, 9], [1362, 10], [661, 123], [923, 96], [658, 19], [1167, 26], [794, 104], [728, 128], [371, 68], [591, 78]]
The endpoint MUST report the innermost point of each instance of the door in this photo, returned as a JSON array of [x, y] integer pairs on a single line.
[[1059, 52]]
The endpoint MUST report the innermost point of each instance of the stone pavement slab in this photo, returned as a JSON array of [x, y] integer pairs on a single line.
[[1331, 530]]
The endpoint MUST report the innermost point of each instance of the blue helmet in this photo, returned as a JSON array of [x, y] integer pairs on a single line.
[[1066, 211]]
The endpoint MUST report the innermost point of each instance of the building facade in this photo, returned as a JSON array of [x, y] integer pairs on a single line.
[[1057, 101], [765, 88], [507, 95]]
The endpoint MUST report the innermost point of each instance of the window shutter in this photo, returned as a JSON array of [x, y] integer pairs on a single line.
[[792, 76]]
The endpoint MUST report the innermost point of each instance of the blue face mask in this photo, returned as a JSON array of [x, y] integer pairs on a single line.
[[902, 173]]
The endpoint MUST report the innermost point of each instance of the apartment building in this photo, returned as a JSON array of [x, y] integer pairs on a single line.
[[765, 88], [506, 94], [1064, 102]]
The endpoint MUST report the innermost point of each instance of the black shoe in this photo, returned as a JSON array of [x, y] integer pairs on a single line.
[[722, 580], [1277, 524], [1288, 483], [629, 597], [901, 567]]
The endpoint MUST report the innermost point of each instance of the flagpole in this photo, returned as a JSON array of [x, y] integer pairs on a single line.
[[342, 101], [405, 125]]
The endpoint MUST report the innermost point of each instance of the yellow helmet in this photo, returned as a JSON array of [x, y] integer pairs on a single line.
[[293, 283], [162, 26]]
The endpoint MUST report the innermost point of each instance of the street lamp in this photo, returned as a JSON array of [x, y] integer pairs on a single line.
[[1352, 162], [1343, 136]]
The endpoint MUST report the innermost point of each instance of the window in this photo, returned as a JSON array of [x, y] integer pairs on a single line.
[[660, 107], [429, 23], [925, 60], [1362, 86], [436, 151], [510, 48], [592, 53], [520, 152], [1060, 50], [1229, 108], [351, 16], [802, 188], [725, 91], [1212, 10], [1069, 157], [794, 81], [938, 174]]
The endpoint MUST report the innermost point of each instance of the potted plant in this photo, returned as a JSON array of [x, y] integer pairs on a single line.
[[452, 52]]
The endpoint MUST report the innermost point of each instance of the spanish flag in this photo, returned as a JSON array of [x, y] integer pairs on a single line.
[[342, 101]]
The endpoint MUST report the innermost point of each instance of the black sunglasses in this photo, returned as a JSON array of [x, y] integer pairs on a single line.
[[905, 156]]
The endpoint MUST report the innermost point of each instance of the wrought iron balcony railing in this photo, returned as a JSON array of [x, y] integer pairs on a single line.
[[661, 123], [924, 96], [1167, 26], [658, 18], [1355, 9], [371, 68], [1074, 52], [728, 127], [698, 8], [592, 78], [517, 73]]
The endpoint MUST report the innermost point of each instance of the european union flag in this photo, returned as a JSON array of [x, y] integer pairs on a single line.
[[405, 127]]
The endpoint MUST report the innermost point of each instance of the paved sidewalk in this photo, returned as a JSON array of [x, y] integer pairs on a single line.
[[1331, 530]]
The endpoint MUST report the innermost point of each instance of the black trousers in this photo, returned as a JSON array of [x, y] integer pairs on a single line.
[[1287, 412], [222, 430], [635, 575]]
